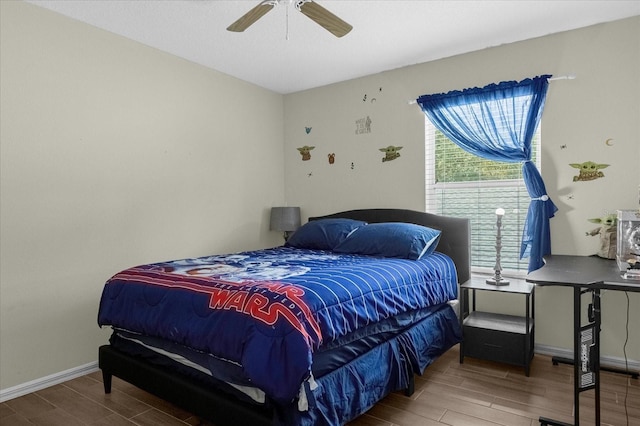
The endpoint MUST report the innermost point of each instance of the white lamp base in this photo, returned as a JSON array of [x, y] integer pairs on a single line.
[[498, 281]]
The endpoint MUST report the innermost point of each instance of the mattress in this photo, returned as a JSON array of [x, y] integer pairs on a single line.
[[269, 311]]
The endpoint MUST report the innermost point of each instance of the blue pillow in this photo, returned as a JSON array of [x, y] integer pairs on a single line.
[[323, 234], [391, 239]]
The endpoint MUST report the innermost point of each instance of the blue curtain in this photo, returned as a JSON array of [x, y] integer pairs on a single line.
[[498, 122]]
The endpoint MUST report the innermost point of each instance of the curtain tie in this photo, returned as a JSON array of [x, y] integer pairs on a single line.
[[544, 197]]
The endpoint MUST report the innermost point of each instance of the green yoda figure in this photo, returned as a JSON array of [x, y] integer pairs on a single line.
[[607, 232], [305, 151], [588, 170], [390, 153]]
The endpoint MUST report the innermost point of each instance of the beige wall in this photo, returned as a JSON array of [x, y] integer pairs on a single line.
[[601, 103], [114, 154]]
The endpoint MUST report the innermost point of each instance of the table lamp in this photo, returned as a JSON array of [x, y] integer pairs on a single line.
[[497, 277], [285, 219]]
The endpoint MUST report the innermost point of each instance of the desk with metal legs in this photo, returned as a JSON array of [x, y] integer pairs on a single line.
[[587, 275]]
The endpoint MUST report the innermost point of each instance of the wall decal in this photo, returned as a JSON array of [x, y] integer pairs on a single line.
[[609, 142], [373, 100], [563, 146], [391, 152], [309, 174], [307, 129], [332, 158], [305, 151], [352, 165], [363, 125], [588, 170]]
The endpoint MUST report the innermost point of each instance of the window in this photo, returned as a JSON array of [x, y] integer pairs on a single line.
[[461, 184]]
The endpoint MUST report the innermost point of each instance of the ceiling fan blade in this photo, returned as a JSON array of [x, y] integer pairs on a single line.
[[246, 20], [324, 18]]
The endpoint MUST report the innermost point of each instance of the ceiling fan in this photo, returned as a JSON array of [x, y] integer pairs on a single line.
[[311, 9]]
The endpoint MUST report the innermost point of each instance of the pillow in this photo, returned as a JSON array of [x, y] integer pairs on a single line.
[[391, 239], [323, 234]]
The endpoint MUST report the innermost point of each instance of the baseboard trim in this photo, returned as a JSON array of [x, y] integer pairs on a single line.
[[608, 361], [45, 382]]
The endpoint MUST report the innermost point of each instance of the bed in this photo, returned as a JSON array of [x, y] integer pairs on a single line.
[[314, 332]]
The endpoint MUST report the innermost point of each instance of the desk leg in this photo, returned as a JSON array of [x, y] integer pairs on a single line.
[[577, 324], [582, 380], [586, 354], [597, 317]]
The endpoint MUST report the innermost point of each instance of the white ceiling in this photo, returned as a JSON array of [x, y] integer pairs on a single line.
[[286, 52]]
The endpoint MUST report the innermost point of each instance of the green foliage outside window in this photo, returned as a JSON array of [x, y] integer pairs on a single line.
[[468, 167]]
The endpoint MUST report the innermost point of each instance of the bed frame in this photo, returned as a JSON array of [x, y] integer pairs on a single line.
[[194, 396]]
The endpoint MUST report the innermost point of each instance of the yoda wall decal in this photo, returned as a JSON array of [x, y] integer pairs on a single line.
[[390, 153], [305, 151], [588, 170]]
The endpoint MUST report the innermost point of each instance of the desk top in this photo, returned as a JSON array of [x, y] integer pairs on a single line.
[[582, 271]]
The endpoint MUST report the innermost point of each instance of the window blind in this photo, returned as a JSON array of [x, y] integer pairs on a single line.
[[461, 184]]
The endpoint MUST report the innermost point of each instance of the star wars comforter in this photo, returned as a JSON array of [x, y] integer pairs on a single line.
[[267, 311]]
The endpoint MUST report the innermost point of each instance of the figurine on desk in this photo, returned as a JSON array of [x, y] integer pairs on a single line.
[[607, 232]]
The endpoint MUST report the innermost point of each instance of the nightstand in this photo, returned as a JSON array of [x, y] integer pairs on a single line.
[[493, 336]]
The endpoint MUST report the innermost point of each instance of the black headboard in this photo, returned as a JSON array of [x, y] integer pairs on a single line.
[[455, 240]]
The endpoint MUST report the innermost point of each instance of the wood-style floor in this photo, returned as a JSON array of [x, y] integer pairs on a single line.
[[476, 393]]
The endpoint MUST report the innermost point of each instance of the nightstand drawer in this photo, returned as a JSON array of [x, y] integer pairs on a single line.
[[497, 337]]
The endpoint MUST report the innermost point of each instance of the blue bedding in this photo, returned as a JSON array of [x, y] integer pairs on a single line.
[[268, 311]]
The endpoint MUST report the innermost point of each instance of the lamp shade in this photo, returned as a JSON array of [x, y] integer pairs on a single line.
[[285, 219]]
